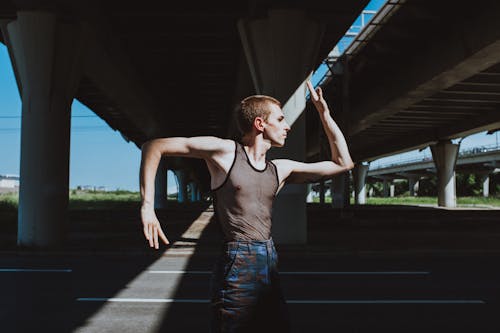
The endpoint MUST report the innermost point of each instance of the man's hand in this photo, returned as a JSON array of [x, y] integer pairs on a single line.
[[317, 98], [152, 228]]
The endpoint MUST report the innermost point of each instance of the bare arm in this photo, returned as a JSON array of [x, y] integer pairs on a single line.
[[208, 148], [298, 172]]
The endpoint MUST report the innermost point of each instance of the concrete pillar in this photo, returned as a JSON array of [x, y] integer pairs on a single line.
[[161, 182], [309, 197], [322, 192], [182, 184], [392, 190], [194, 191], [411, 185], [279, 66], [45, 55], [359, 175], [486, 185], [340, 190], [385, 192], [370, 192], [444, 154]]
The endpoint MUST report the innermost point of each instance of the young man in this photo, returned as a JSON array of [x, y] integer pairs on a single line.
[[245, 285]]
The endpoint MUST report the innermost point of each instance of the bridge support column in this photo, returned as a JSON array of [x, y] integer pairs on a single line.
[[322, 192], [413, 183], [385, 190], [182, 183], [444, 154], [359, 176], [279, 66], [309, 197], [340, 190], [161, 185], [392, 190], [194, 191], [45, 56], [486, 186]]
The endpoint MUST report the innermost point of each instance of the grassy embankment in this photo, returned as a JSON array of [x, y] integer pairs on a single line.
[[124, 199], [461, 201]]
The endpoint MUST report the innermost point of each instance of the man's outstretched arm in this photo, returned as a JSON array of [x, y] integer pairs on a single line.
[[209, 148], [299, 172]]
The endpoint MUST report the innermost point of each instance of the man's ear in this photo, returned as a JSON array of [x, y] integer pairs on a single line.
[[259, 123]]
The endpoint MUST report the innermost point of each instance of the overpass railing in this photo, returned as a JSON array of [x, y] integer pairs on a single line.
[[428, 158]]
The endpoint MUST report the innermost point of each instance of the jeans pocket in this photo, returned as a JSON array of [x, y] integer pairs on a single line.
[[229, 261]]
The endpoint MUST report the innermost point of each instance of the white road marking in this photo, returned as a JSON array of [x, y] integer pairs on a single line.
[[360, 301], [303, 273], [34, 270]]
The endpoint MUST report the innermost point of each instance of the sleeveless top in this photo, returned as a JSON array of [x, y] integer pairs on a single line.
[[243, 203]]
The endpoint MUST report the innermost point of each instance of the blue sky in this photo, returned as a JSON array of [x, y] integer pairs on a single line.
[[100, 156]]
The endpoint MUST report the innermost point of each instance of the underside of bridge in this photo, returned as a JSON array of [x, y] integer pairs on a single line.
[[150, 70], [422, 72]]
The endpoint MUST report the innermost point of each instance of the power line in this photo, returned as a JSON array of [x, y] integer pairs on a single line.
[[72, 128], [13, 117]]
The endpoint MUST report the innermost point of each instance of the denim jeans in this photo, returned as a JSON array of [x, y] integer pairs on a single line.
[[245, 291]]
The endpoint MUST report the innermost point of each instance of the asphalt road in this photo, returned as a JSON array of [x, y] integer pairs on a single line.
[[326, 292]]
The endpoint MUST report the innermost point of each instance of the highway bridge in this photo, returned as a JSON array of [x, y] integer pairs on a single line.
[[420, 74], [484, 161]]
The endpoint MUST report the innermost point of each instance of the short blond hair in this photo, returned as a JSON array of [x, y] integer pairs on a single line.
[[251, 108]]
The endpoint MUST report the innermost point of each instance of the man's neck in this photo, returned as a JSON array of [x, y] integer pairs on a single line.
[[256, 148]]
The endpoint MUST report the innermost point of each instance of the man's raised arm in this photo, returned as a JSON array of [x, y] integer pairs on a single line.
[[198, 147], [299, 172]]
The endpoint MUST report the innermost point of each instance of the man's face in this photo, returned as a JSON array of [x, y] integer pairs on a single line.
[[276, 127]]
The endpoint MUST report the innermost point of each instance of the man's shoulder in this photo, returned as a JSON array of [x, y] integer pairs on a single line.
[[213, 143], [284, 163]]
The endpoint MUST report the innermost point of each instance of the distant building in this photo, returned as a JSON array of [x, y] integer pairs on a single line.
[[9, 183], [91, 188]]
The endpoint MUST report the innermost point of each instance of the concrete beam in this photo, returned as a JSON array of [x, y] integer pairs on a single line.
[[472, 46], [108, 68]]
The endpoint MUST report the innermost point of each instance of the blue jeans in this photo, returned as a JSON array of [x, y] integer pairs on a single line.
[[245, 291]]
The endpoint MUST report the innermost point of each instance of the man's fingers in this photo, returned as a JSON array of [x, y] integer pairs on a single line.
[[163, 237], [311, 90], [150, 231], [156, 238], [320, 93], [145, 230]]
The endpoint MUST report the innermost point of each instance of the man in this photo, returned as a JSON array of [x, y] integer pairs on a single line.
[[245, 286]]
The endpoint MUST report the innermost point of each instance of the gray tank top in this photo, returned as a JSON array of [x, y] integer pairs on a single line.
[[243, 203]]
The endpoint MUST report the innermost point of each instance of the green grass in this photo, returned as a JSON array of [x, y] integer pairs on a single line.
[[8, 201], [85, 200], [461, 201], [104, 200], [125, 199]]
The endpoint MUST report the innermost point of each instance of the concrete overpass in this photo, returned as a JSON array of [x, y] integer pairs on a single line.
[[153, 72], [420, 74], [480, 160]]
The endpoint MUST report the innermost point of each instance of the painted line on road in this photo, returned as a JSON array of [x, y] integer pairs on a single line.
[[371, 301], [304, 273], [34, 270]]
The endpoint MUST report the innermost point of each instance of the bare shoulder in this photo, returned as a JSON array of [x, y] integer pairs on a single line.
[[211, 144], [284, 168]]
